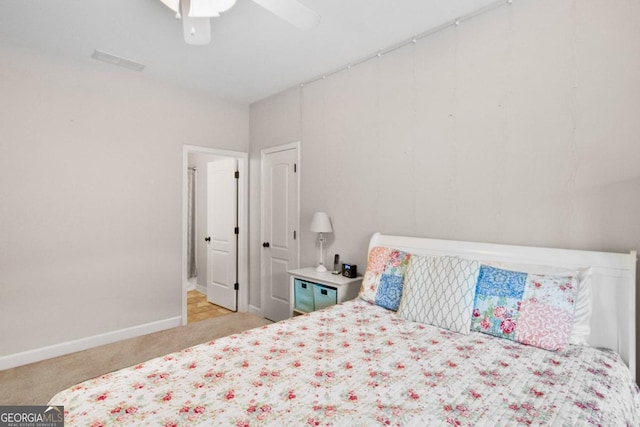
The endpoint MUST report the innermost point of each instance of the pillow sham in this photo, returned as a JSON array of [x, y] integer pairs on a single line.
[[582, 315], [532, 309], [384, 277], [581, 329], [439, 291]]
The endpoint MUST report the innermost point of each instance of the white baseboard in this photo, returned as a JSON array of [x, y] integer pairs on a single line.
[[191, 284], [42, 353], [201, 289], [255, 310]]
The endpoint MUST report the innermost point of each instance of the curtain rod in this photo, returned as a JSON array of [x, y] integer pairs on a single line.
[[414, 39]]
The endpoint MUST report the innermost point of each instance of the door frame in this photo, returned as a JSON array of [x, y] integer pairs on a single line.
[[243, 222], [263, 152]]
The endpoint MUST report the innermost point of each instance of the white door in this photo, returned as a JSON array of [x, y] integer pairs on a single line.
[[280, 219], [222, 220]]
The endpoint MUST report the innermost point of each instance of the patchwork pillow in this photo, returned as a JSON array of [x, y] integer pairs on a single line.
[[384, 277], [532, 309], [440, 291], [581, 329]]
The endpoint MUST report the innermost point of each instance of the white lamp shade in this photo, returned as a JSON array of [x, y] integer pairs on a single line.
[[321, 223]]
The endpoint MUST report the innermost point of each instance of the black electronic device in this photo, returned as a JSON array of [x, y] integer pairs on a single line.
[[350, 270], [336, 264]]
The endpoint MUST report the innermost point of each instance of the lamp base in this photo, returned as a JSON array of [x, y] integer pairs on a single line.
[[321, 269]]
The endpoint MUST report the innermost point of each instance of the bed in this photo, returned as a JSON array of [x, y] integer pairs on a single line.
[[362, 364]]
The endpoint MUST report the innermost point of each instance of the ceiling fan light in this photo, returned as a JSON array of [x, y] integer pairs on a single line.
[[204, 9], [223, 5]]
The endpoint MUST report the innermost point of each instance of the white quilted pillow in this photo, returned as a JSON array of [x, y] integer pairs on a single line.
[[439, 291]]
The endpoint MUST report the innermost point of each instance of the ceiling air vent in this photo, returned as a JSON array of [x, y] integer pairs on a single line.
[[117, 60]]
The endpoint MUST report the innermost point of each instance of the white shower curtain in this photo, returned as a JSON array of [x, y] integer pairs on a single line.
[[191, 224]]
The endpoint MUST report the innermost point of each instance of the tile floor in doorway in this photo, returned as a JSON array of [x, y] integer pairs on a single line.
[[198, 308]]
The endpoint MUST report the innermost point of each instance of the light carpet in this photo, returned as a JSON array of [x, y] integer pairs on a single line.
[[36, 383]]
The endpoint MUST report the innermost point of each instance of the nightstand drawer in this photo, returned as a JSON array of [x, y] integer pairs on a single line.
[[324, 296], [303, 291]]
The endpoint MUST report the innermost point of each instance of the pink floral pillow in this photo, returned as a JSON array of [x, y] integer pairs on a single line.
[[532, 309], [384, 278]]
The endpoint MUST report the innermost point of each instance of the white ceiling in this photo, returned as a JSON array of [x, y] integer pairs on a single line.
[[253, 54]]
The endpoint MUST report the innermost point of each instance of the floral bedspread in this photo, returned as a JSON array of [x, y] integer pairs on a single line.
[[356, 364]]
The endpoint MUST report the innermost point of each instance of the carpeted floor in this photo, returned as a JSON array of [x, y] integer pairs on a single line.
[[36, 383]]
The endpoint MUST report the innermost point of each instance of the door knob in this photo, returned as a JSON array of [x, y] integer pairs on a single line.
[[265, 245], [207, 239]]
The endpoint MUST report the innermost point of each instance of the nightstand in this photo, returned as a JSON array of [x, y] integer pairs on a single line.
[[312, 291]]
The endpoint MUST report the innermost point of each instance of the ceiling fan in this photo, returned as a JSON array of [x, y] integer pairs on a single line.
[[196, 15]]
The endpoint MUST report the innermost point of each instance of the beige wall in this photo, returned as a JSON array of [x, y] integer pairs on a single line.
[[91, 195], [519, 126]]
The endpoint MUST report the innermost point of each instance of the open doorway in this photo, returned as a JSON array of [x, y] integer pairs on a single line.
[[215, 234]]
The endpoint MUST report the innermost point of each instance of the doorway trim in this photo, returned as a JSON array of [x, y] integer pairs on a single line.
[[243, 222]]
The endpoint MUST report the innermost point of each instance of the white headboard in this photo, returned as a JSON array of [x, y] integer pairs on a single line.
[[613, 281]]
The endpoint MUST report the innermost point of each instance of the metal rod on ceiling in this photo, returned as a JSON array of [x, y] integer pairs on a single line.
[[414, 39]]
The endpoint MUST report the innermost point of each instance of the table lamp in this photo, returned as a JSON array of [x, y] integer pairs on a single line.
[[321, 224]]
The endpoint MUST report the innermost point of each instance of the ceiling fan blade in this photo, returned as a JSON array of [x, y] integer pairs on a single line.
[[291, 11], [196, 30], [172, 4]]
